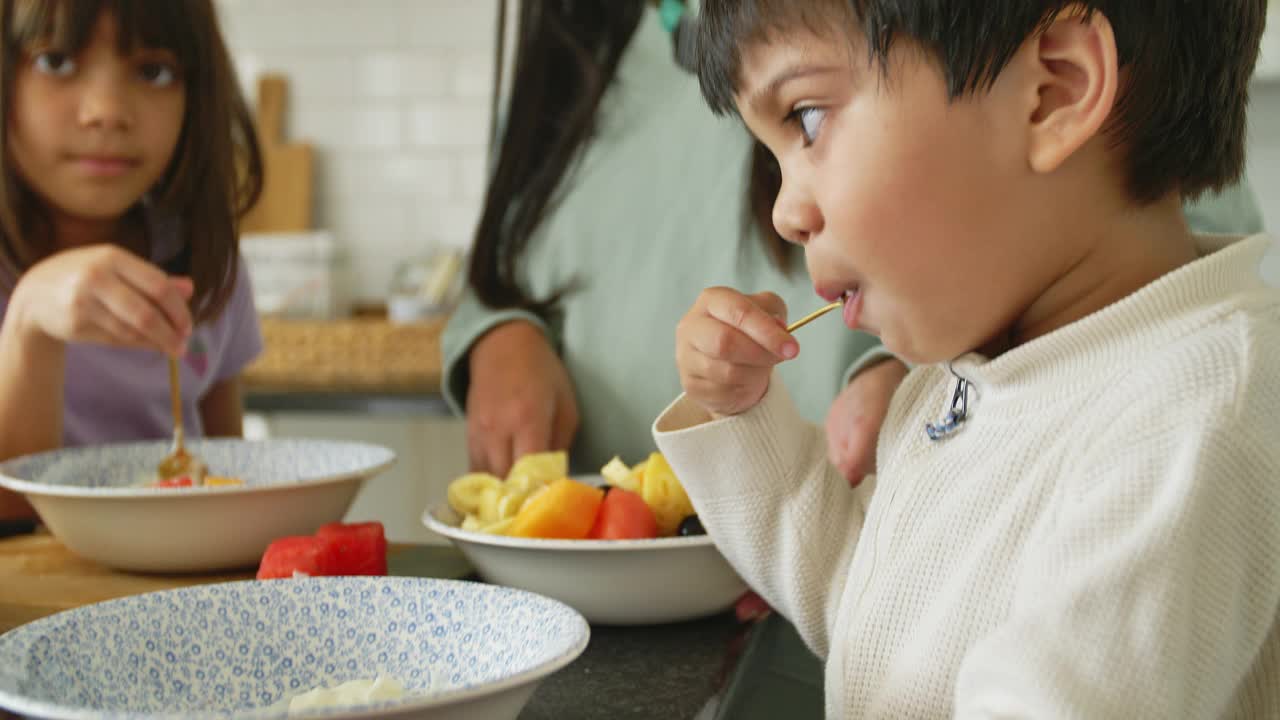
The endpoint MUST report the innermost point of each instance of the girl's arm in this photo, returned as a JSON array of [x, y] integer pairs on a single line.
[[222, 409], [31, 368], [98, 294], [31, 376]]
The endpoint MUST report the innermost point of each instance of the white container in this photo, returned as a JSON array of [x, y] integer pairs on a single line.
[[293, 274], [90, 500], [612, 582], [427, 288]]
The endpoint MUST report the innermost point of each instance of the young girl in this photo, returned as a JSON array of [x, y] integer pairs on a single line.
[[1075, 511], [129, 157]]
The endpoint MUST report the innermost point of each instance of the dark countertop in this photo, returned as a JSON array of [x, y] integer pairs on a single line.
[[663, 672], [659, 672]]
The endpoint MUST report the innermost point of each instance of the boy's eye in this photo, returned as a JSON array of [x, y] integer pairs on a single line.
[[159, 74], [809, 120], [55, 63]]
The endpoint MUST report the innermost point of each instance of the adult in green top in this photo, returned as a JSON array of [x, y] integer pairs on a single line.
[[565, 338], [590, 250]]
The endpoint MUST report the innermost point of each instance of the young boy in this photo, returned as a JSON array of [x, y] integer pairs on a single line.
[[1076, 509]]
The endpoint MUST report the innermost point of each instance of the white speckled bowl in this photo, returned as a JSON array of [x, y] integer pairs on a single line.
[[463, 651], [89, 500], [612, 582]]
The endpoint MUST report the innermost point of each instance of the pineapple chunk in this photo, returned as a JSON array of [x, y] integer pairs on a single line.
[[664, 494], [540, 468], [617, 474]]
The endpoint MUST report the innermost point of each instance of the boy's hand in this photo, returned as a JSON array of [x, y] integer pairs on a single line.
[[106, 295], [520, 399], [727, 345], [855, 418]]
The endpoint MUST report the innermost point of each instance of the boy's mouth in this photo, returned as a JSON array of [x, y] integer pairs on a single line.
[[852, 307], [852, 299]]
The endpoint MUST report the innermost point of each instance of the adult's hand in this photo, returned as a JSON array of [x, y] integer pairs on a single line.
[[854, 420], [520, 400]]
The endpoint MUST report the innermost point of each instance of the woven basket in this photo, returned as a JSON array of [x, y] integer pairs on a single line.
[[355, 355]]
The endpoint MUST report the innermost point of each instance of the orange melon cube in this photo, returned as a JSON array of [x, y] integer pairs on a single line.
[[563, 510]]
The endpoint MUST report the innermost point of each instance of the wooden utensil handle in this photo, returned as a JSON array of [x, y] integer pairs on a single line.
[[175, 398], [272, 89]]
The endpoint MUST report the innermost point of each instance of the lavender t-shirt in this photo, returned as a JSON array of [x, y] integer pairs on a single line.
[[121, 395]]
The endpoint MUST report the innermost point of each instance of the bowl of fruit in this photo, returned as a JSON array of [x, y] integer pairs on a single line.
[[622, 548], [105, 503], [333, 647]]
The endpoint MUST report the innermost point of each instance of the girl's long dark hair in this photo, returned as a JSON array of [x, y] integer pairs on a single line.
[[567, 52], [215, 173]]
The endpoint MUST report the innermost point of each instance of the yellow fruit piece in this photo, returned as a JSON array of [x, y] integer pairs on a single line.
[[566, 509], [526, 484], [637, 474], [489, 498], [617, 474], [467, 494], [499, 528], [664, 494], [540, 468], [217, 481], [475, 524]]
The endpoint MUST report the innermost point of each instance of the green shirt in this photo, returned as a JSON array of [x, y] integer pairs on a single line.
[[651, 215]]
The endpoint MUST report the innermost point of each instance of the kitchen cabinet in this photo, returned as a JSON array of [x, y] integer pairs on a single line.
[[430, 451]]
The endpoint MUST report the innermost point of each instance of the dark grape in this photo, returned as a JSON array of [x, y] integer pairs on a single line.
[[690, 526]]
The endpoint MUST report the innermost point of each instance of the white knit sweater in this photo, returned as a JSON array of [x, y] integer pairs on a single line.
[[1101, 539]]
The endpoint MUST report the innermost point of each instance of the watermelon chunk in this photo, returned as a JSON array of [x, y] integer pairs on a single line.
[[298, 553], [360, 548]]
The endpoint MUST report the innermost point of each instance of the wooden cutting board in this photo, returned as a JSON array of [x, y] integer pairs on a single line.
[[285, 205], [39, 576]]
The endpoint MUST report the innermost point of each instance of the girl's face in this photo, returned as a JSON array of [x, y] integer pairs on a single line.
[[912, 204], [92, 132]]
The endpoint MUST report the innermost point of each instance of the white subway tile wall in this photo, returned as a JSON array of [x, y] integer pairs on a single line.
[[1264, 149], [394, 95]]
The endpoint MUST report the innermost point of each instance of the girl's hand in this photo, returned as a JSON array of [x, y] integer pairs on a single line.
[[520, 400], [106, 295], [727, 345], [855, 418]]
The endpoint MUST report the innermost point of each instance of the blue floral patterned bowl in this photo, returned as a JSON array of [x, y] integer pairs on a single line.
[[244, 649], [91, 499]]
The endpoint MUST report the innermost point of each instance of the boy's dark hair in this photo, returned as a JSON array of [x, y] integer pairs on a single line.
[[1180, 118], [215, 174]]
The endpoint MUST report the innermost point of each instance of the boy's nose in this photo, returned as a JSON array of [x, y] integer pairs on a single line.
[[795, 216], [105, 104]]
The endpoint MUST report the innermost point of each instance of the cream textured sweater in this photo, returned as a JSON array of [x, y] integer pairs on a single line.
[[1101, 539]]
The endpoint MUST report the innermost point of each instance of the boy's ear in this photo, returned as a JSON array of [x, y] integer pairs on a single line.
[[1076, 71]]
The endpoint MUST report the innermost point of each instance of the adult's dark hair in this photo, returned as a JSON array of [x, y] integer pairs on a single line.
[[1180, 122], [215, 174], [567, 53]]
